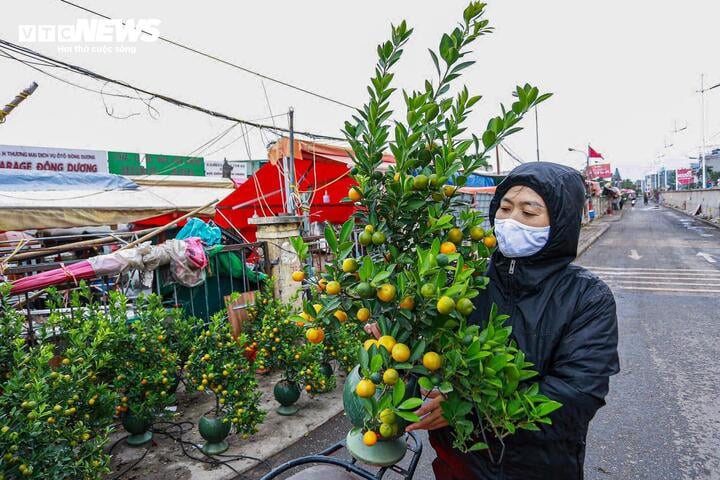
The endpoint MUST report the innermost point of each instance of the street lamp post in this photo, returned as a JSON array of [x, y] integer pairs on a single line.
[[702, 123], [587, 158], [586, 207]]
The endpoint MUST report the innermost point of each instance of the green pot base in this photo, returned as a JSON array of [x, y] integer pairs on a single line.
[[383, 454], [139, 439], [287, 410], [215, 448]]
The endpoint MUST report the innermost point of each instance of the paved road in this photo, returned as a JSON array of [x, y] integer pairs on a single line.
[[662, 419]]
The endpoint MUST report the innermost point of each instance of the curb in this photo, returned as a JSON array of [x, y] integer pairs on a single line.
[[706, 222], [602, 228]]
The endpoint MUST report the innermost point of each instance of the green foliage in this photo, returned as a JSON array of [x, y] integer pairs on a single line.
[[485, 377], [218, 365], [146, 368], [425, 249], [55, 412]]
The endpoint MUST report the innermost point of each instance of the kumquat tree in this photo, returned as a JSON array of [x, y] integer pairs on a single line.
[[424, 255]]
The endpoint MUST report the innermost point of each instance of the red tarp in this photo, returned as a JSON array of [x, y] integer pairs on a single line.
[[320, 170]]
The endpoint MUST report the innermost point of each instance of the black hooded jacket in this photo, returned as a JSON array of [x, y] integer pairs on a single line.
[[563, 318]]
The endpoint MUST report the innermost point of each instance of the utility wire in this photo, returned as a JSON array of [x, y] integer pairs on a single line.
[[4, 44], [226, 62]]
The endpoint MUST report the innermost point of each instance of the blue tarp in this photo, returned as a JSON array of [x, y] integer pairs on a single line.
[[46, 181], [475, 180], [210, 234]]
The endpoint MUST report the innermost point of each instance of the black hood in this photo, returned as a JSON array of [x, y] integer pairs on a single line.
[[563, 190]]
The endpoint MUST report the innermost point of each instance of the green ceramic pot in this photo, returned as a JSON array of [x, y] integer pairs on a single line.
[[326, 369], [138, 428], [286, 393], [215, 431], [354, 410], [382, 454]]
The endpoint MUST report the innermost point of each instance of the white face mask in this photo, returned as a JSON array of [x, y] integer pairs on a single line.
[[516, 239]]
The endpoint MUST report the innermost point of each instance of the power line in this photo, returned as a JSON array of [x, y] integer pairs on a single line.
[[226, 62], [4, 44]]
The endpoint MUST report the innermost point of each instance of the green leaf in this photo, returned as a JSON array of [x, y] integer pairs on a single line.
[[376, 363], [410, 404], [478, 446], [409, 416], [398, 392], [417, 351], [331, 238], [489, 138], [347, 230], [364, 358], [547, 408], [425, 383]]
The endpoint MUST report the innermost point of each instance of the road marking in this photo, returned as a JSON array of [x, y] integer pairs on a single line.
[[684, 290], [707, 257], [634, 255], [643, 269], [669, 282], [641, 275]]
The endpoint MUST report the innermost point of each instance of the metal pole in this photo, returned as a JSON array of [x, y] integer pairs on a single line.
[[702, 118], [665, 171], [537, 134], [291, 170], [677, 185]]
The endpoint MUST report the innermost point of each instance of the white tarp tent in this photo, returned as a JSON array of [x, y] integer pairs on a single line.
[[40, 209]]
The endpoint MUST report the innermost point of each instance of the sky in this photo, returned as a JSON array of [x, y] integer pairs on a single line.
[[623, 74]]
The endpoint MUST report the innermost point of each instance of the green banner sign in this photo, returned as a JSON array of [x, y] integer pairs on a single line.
[[125, 163], [175, 165]]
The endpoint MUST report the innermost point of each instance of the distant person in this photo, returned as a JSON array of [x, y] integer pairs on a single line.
[[562, 316], [227, 169], [645, 198], [622, 202]]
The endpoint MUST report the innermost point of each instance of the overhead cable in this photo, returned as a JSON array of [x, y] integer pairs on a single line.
[[5, 45], [226, 62]]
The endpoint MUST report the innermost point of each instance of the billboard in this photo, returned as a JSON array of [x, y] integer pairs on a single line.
[[127, 163], [685, 176], [600, 170], [239, 172], [17, 158]]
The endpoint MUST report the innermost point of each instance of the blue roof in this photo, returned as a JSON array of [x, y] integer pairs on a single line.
[[35, 181]]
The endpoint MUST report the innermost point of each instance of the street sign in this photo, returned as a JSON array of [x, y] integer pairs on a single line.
[[600, 170], [685, 176], [127, 163], [214, 168], [18, 158]]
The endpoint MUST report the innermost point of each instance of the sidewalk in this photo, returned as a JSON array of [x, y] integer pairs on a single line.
[[164, 458], [592, 231]]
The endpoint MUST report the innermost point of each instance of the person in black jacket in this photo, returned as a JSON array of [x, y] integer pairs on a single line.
[[562, 316]]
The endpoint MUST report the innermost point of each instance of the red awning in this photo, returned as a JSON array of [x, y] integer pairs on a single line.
[[321, 174]]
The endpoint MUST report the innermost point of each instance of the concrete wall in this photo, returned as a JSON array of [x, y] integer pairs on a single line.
[[689, 200]]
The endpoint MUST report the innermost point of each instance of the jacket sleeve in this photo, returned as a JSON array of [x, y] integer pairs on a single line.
[[582, 364]]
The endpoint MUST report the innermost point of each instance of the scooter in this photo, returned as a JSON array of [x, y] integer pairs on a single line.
[[632, 202]]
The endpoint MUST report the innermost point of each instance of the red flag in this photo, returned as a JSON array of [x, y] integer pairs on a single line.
[[593, 154]]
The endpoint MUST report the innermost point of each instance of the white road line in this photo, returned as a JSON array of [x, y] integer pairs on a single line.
[[670, 282], [633, 269], [709, 276], [653, 289]]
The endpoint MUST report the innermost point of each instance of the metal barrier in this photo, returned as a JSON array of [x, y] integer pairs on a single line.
[[237, 268]]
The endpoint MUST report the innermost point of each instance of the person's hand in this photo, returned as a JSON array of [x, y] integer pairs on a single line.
[[430, 413], [372, 329]]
